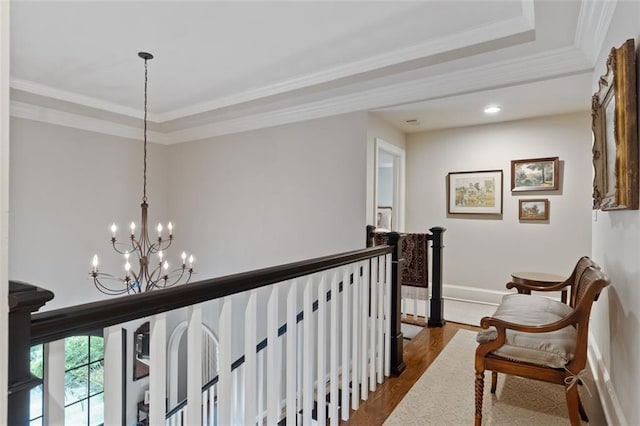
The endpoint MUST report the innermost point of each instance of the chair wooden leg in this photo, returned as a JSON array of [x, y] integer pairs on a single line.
[[479, 396], [494, 381], [583, 413], [573, 405]]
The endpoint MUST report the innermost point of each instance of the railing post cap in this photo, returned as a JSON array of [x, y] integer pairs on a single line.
[[27, 297], [437, 229]]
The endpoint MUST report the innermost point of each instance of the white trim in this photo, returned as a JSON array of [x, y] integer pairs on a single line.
[[608, 397], [594, 19], [473, 294], [473, 36], [559, 62], [76, 98], [4, 204], [78, 121], [562, 61], [399, 168]]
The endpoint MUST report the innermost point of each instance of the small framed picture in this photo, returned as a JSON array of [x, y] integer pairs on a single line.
[[475, 192], [383, 218], [536, 174], [537, 209]]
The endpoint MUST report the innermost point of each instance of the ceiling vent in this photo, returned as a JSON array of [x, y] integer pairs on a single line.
[[412, 122]]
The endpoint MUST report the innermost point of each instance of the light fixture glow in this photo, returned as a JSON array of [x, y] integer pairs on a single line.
[[492, 109]]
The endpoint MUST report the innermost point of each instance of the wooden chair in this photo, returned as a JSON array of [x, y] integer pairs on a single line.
[[540, 338]]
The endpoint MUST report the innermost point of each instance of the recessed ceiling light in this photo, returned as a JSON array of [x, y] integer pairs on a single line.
[[492, 109]]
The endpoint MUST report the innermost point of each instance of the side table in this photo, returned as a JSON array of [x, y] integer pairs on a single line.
[[539, 279]]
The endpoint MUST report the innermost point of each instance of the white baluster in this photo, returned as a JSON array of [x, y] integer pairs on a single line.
[[113, 367], [345, 329], [261, 386], [250, 359], [273, 359], [333, 385], [387, 316], [54, 383], [292, 343], [322, 350], [380, 319], [355, 338], [307, 350], [224, 368], [372, 324], [364, 330], [194, 366], [157, 369]]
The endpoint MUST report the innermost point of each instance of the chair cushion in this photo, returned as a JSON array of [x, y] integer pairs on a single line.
[[552, 349]]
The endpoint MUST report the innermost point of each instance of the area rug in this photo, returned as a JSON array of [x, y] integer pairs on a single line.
[[444, 395]]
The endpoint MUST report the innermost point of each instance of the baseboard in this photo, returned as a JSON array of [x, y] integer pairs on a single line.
[[608, 398], [472, 294]]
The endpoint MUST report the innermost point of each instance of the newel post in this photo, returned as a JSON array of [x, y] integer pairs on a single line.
[[397, 363], [370, 231], [437, 304], [23, 300]]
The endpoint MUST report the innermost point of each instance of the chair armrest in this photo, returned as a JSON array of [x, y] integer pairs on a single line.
[[554, 287], [501, 325]]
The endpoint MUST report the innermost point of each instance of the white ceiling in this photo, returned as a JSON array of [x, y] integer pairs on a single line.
[[223, 67]]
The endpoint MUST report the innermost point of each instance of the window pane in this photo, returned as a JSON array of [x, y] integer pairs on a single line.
[[96, 372], [37, 360], [97, 348], [36, 422], [76, 351], [76, 414], [75, 384], [35, 402], [96, 404]]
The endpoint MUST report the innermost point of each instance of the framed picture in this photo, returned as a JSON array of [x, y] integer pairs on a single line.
[[535, 174], [475, 192], [615, 131], [537, 209], [383, 217]]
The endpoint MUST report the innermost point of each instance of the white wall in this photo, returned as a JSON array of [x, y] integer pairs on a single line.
[[272, 196], [481, 252], [616, 247], [66, 188]]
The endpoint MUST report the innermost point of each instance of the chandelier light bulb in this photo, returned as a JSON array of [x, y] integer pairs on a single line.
[[127, 267], [94, 263], [165, 266], [170, 227], [114, 228], [190, 261], [126, 256], [159, 229], [184, 257], [133, 228]]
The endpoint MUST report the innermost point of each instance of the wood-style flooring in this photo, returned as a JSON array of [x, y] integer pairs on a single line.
[[419, 353]]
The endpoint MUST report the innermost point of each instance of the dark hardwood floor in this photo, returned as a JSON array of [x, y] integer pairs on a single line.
[[419, 353]]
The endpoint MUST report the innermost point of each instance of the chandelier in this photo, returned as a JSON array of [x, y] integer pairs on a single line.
[[153, 269]]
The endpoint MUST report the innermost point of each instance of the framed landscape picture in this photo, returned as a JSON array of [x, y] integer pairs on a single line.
[[536, 174], [533, 209], [475, 192]]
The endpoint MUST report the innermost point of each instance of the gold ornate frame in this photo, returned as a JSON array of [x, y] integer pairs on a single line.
[[615, 130]]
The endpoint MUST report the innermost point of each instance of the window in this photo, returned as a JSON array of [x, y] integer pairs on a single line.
[[84, 368]]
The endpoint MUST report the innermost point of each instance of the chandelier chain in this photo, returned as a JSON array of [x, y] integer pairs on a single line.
[[144, 186]]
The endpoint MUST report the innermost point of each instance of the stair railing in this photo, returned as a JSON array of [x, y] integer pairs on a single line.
[[341, 349]]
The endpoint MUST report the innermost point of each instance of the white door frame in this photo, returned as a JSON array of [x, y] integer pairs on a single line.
[[4, 205], [398, 182]]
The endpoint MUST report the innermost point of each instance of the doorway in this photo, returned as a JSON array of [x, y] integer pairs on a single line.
[[389, 186]]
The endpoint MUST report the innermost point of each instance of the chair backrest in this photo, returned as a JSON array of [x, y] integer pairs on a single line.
[[586, 289], [583, 263]]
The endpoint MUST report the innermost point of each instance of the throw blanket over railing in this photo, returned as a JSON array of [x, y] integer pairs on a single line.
[[340, 337], [415, 268]]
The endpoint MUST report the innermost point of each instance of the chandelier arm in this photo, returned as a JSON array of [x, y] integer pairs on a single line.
[[105, 289], [120, 251], [182, 271]]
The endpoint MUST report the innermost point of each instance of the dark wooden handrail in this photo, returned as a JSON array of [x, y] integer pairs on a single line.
[[81, 319]]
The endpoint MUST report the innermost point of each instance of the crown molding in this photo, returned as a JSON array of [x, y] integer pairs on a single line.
[[474, 36], [593, 24], [76, 98], [78, 121], [556, 63]]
